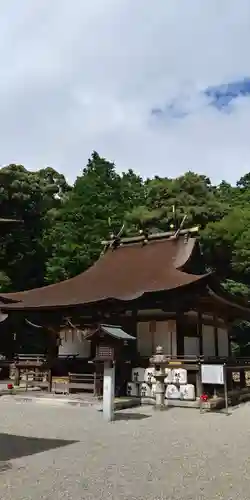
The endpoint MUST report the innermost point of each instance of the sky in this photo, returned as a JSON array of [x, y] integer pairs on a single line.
[[159, 86]]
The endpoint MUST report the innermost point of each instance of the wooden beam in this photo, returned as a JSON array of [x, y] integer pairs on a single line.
[[180, 334], [199, 325], [156, 236], [216, 338]]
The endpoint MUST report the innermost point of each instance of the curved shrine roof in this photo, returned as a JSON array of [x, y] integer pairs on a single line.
[[124, 273]]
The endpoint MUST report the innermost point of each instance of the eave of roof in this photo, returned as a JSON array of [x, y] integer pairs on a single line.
[[116, 331], [236, 308]]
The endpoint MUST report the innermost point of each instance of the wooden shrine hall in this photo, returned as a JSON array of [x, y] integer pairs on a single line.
[[154, 286]]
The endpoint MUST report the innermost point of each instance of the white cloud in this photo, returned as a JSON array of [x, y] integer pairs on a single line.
[[84, 75]]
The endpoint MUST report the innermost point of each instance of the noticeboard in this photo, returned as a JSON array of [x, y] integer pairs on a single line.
[[104, 353], [212, 374]]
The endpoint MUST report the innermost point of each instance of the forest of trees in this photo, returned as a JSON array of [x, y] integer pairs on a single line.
[[62, 226]]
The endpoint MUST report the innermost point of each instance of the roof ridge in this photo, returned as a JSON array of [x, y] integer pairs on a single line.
[[151, 237]]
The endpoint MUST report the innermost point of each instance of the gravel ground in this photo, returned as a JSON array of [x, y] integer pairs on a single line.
[[73, 454]]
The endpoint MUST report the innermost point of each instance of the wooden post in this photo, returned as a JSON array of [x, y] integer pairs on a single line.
[[17, 376], [216, 342], [199, 388], [180, 334], [49, 380], [200, 333], [242, 379]]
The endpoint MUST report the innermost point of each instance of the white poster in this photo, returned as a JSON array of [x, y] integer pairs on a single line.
[[212, 374]]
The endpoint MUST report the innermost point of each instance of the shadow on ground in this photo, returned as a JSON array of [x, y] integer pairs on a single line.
[[12, 446], [130, 416], [5, 466], [217, 412]]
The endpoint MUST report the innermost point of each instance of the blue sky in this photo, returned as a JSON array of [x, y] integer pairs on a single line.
[[84, 75], [222, 97]]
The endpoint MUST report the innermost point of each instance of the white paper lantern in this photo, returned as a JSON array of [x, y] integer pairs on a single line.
[[187, 392], [132, 389], [168, 378], [149, 376], [153, 390], [179, 376], [172, 392], [145, 390], [138, 374]]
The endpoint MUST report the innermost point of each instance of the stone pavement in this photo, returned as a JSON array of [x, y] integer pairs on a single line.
[[64, 452], [69, 399]]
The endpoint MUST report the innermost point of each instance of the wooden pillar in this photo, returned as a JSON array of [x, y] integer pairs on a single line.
[[199, 387], [124, 367], [129, 324], [200, 332], [180, 334], [152, 332], [228, 325], [17, 376], [172, 337], [216, 346], [53, 348], [134, 319], [49, 380], [242, 379]]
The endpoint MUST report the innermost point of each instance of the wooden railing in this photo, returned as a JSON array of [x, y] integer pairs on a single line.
[[32, 370], [88, 382]]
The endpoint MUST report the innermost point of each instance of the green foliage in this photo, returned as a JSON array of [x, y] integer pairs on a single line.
[[29, 197], [95, 208], [227, 244], [240, 338], [5, 282], [168, 200], [235, 288]]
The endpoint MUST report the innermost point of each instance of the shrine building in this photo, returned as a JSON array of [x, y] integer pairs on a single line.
[[154, 286]]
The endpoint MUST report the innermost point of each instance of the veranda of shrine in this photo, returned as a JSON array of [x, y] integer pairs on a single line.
[[156, 288]]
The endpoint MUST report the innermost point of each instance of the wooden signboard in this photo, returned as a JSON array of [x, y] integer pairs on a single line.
[[105, 353]]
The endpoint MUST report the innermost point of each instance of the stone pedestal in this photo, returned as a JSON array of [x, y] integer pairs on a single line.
[[108, 391], [159, 395]]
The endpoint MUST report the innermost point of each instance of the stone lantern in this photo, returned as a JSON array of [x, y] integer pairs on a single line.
[[160, 361]]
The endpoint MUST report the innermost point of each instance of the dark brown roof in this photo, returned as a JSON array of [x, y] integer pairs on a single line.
[[123, 274]]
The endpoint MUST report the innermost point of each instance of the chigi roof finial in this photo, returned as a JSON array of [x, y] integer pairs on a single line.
[[178, 230], [115, 239]]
